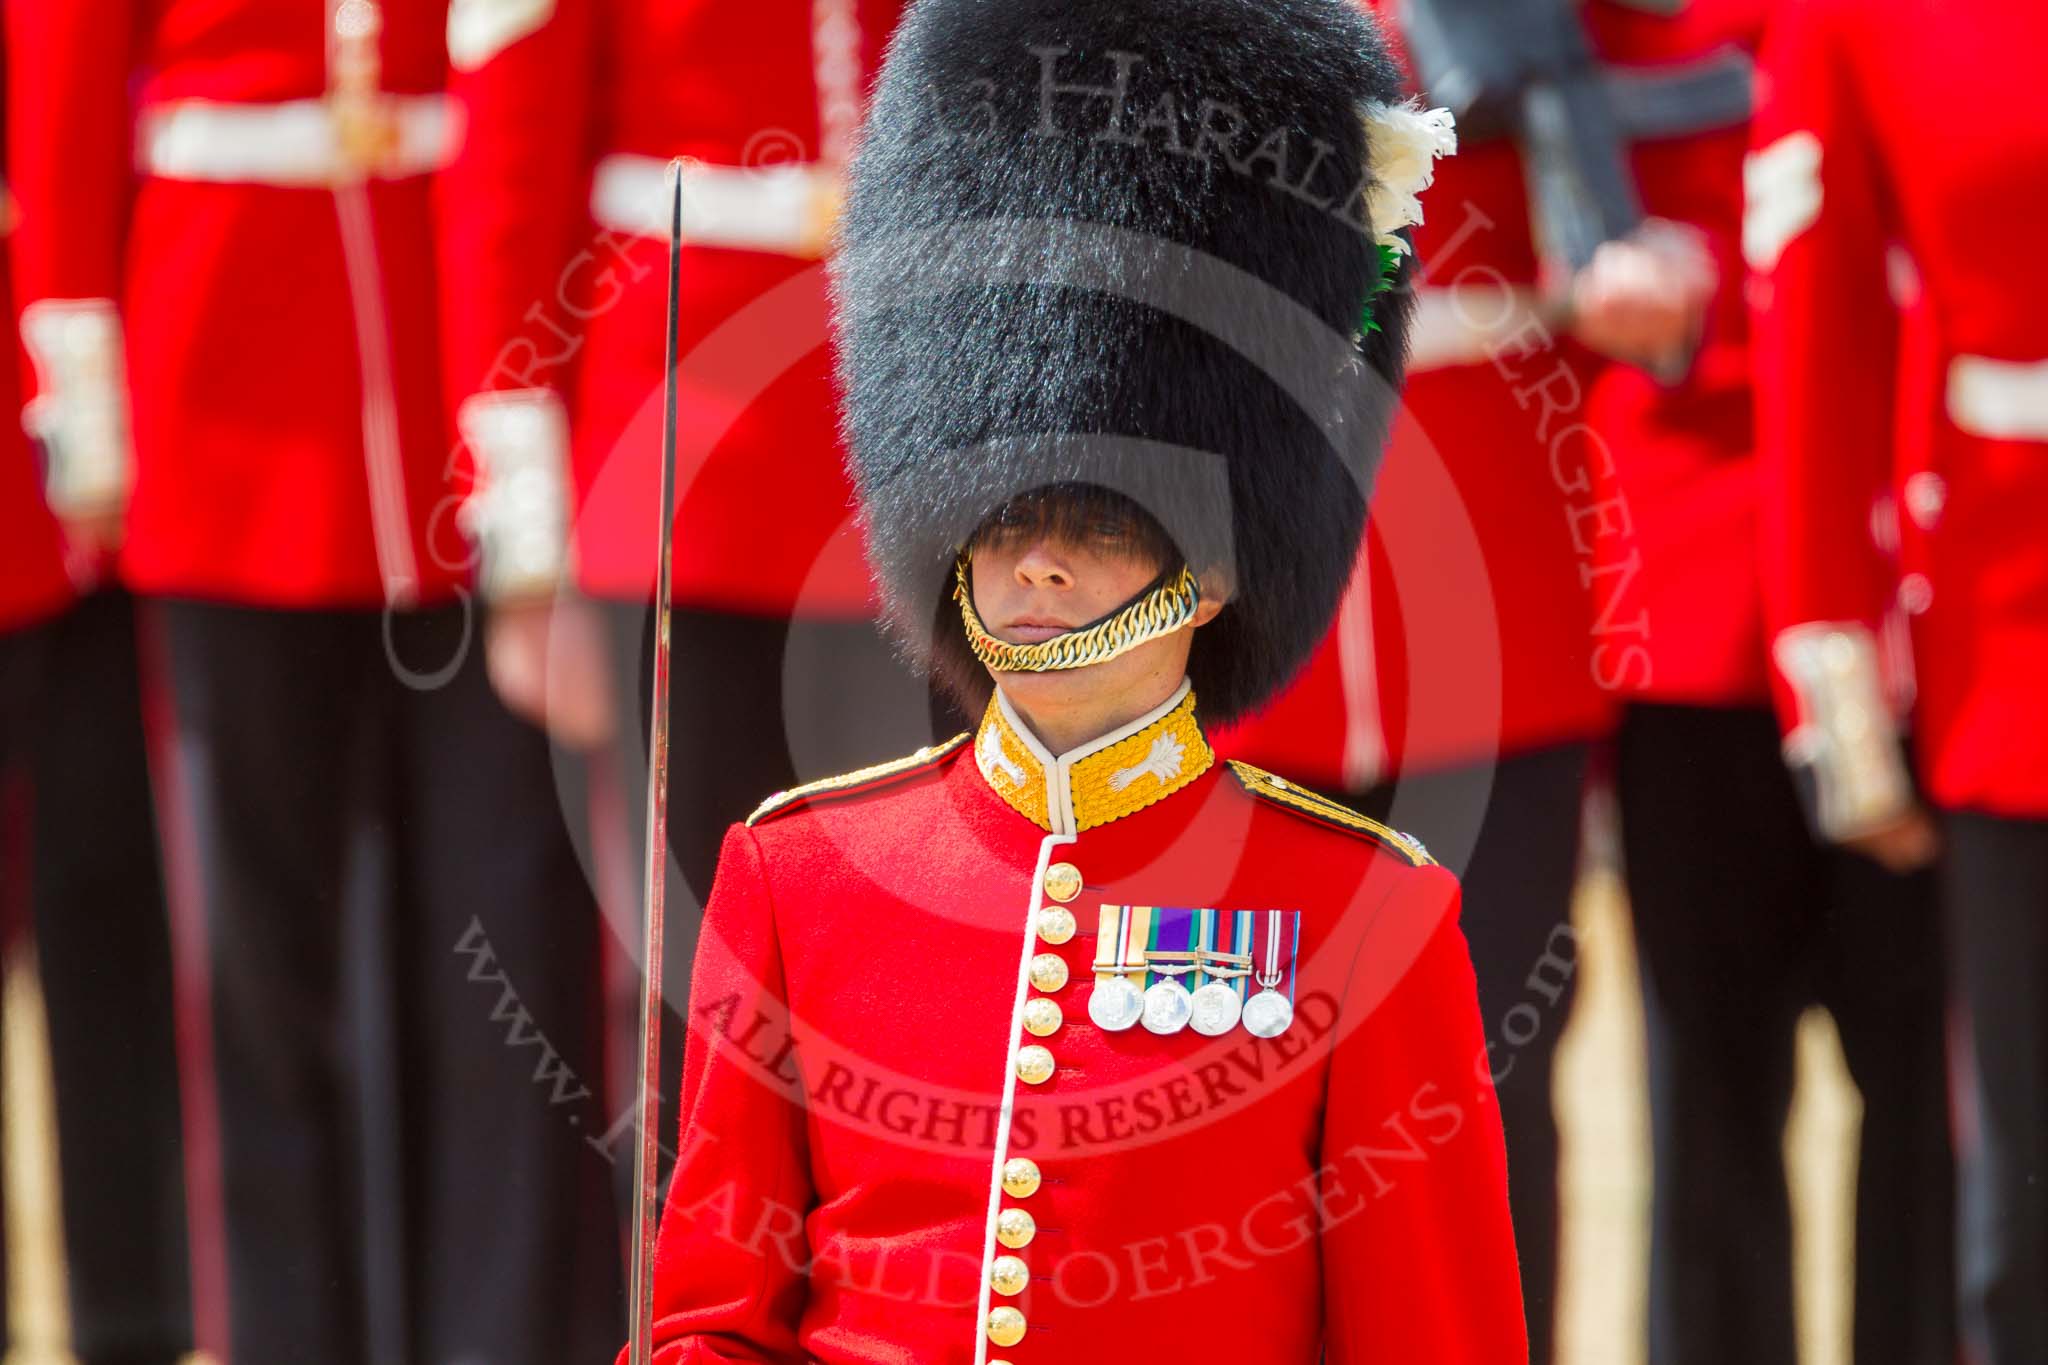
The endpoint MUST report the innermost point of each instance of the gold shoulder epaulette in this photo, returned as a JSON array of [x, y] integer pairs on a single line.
[[1318, 807], [856, 782]]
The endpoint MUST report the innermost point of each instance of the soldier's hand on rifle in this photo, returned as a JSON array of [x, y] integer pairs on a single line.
[[1643, 298], [546, 659]]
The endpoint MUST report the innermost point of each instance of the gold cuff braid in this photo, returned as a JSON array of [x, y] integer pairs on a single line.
[[1161, 611]]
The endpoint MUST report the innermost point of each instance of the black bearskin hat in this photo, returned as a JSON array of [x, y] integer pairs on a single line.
[[1123, 244]]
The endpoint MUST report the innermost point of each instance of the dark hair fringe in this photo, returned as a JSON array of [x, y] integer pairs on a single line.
[[1071, 514]]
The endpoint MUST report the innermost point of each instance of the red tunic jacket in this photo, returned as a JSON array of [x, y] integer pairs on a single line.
[[1940, 442], [176, 167], [905, 1139], [557, 267]]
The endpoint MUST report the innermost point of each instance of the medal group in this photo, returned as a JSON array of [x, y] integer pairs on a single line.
[[1172, 969]]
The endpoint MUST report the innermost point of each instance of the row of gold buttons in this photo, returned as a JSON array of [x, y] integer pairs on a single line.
[[1008, 1275]]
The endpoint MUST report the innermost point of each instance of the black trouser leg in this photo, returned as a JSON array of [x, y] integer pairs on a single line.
[[104, 949], [1722, 885], [271, 719], [514, 1260], [1881, 978], [1511, 832], [1996, 893], [1743, 922]]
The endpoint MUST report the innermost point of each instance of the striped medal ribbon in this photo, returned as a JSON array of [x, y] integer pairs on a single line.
[[1116, 1003], [1222, 968], [1276, 937], [1170, 955]]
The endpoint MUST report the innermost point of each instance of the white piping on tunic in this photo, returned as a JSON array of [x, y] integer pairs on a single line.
[[383, 455], [1009, 1104], [1365, 738], [1059, 804]]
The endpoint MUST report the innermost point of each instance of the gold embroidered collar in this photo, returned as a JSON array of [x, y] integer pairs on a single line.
[[1108, 778]]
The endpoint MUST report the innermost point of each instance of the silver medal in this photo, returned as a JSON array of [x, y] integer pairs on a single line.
[[1267, 1014], [1167, 1006], [1215, 1009], [1115, 1004]]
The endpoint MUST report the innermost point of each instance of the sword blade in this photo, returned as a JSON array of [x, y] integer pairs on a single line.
[[646, 1155]]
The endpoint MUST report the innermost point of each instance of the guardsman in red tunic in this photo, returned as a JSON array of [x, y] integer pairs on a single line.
[[229, 293], [556, 252], [1906, 477], [1742, 920], [1066, 1039]]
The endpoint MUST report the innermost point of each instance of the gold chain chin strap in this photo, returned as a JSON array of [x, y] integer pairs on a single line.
[[1159, 612]]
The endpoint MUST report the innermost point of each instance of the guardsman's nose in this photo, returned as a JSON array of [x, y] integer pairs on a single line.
[[1044, 566]]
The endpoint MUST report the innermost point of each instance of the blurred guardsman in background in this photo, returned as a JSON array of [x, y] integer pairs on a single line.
[[71, 748], [1622, 127], [1459, 692], [226, 250], [556, 261], [1934, 436], [1742, 919], [1118, 370], [1462, 687]]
